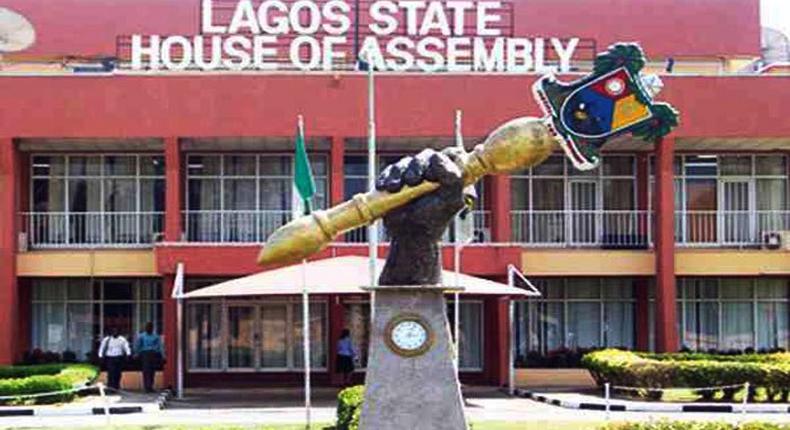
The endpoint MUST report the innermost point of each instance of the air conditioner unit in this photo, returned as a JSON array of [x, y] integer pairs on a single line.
[[776, 240]]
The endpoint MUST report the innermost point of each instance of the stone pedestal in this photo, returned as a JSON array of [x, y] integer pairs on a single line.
[[412, 392]]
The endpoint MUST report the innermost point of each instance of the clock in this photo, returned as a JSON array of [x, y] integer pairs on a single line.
[[408, 335]]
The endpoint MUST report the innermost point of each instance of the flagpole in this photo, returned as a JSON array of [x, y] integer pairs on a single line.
[[457, 261], [305, 321], [373, 237]]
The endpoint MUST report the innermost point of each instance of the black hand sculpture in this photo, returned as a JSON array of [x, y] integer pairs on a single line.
[[416, 228]]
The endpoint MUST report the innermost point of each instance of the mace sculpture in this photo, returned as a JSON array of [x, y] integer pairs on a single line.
[[411, 380]]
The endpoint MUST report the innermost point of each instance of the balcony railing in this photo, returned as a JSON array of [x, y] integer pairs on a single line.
[[233, 226], [727, 228], [482, 231], [91, 229], [609, 229]]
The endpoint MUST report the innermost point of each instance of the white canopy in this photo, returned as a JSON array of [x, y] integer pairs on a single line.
[[339, 275]]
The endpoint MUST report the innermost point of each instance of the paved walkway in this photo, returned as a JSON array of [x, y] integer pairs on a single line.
[[246, 407]]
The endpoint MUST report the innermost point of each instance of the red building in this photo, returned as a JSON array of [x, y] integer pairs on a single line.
[[111, 177]]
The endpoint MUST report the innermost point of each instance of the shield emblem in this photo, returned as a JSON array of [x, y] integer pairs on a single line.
[[616, 98]]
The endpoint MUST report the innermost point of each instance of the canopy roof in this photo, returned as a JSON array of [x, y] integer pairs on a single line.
[[339, 275]]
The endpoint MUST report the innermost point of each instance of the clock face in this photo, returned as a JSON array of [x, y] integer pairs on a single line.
[[409, 335]]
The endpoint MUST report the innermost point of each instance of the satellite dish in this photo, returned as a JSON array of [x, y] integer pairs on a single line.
[[16, 32]]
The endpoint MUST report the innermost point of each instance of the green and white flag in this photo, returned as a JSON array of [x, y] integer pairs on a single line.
[[304, 184]]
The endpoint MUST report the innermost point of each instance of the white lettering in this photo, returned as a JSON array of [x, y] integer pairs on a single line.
[[244, 17], [330, 55], [565, 53], [207, 12], [313, 55], [411, 7], [280, 22], [371, 53], [313, 20], [238, 47], [459, 9], [336, 11], [489, 62], [403, 54], [260, 51], [152, 51], [519, 48], [435, 19], [215, 56], [181, 61], [382, 14], [423, 51], [484, 17], [456, 52]]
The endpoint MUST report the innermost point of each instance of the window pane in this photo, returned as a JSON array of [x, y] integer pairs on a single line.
[[768, 288], [736, 288], [275, 166], [549, 194], [552, 326], [45, 165], [619, 325], [84, 165], [583, 288], [84, 195], [771, 165], [737, 326], [120, 316], [49, 195], [618, 165], [317, 335], [118, 289], [152, 195], [553, 166], [701, 165], [618, 194], [551, 288], [48, 328], [80, 289], [120, 195], [275, 194], [204, 336], [519, 192], [357, 321], [204, 165], [49, 289], [239, 194], [204, 194], [614, 288], [274, 340], [239, 165], [702, 326], [772, 196], [80, 335], [120, 165], [152, 165], [584, 325], [772, 326], [471, 340], [355, 165], [241, 336], [148, 312], [318, 164], [736, 166]]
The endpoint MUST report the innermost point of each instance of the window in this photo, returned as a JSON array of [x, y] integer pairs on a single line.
[[470, 342], [553, 203], [254, 335], [576, 313], [73, 314], [96, 199], [729, 199], [733, 314], [243, 198]]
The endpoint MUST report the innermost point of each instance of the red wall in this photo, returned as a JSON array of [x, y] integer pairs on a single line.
[[664, 27], [414, 105]]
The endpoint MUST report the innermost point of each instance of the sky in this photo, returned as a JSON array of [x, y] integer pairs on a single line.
[[776, 14]]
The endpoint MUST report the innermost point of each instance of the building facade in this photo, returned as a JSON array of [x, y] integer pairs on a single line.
[[110, 179]]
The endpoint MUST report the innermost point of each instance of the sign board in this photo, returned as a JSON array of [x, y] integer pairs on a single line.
[[389, 35]]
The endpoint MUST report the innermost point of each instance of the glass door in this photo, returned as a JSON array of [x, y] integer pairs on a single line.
[[736, 210], [243, 337], [584, 219], [274, 336]]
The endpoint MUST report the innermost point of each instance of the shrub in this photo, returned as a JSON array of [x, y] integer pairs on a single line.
[[349, 407], [692, 425], [770, 372], [25, 380]]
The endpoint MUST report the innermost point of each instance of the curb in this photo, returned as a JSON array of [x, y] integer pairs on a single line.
[[122, 409], [631, 406]]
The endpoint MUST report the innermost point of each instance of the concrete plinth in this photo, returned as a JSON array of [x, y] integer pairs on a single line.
[[418, 392]]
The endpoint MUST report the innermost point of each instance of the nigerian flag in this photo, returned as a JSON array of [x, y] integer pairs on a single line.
[[304, 185]]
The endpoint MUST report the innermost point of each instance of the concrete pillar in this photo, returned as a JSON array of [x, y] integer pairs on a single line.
[[666, 294], [336, 180], [174, 185], [9, 293], [500, 209], [169, 332]]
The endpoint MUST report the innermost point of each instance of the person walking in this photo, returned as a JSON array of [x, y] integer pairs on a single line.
[[345, 356], [148, 347], [113, 350]]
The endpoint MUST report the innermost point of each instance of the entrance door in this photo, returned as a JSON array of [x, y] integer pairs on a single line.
[[243, 337], [583, 203], [274, 336], [736, 213]]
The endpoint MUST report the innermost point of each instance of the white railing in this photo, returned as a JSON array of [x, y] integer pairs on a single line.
[[482, 226], [727, 228], [615, 229], [233, 226], [92, 229]]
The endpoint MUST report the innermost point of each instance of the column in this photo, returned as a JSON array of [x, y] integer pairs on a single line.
[[641, 285], [666, 314], [174, 185], [9, 294], [336, 179], [169, 332], [500, 208]]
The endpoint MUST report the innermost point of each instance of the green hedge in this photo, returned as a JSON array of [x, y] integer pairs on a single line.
[[690, 425], [25, 380], [349, 407], [769, 372]]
